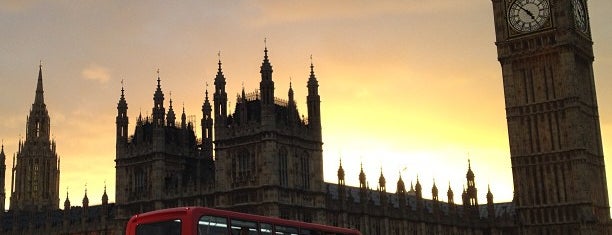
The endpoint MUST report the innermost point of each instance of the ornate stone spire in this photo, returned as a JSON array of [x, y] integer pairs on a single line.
[[85, 199], [401, 187], [171, 116], [158, 104], [183, 118], [104, 196], [381, 181], [32, 191], [489, 195], [266, 85], [67, 201], [340, 174], [362, 178], [418, 189], [266, 67], [434, 191], [470, 174], [450, 195], [39, 99]]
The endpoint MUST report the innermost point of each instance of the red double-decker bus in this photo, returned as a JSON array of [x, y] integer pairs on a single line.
[[205, 221]]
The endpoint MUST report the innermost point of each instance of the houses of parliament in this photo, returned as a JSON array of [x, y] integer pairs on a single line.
[[264, 157]]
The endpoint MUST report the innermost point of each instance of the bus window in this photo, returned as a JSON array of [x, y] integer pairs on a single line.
[[286, 230], [265, 229], [170, 227], [212, 225], [309, 232], [240, 227]]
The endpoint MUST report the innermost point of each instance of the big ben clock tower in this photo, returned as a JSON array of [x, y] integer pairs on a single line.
[[546, 54]]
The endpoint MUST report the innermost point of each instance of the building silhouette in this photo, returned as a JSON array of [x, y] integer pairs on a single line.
[[265, 158], [546, 54], [35, 173]]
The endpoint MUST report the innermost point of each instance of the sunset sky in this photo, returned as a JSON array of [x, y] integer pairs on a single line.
[[408, 86]]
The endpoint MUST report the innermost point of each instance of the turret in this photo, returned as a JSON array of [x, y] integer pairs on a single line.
[[490, 205], [207, 124], [266, 89], [362, 178], [104, 197], [418, 189], [401, 192], [158, 104], [122, 120], [472, 195], [434, 192], [436, 201], [171, 117], [293, 114], [341, 183], [401, 187], [67, 202], [183, 119], [382, 182], [340, 174], [450, 195], [220, 99], [419, 196], [314, 103], [85, 200], [266, 86]]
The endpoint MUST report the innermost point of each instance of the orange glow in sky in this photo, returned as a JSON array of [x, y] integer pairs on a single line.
[[407, 86]]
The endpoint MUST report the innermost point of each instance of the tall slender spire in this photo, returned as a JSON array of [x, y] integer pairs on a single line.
[[171, 116], [207, 122], [39, 99], [220, 98], [313, 101], [158, 104], [67, 201], [104, 196], [183, 118], [266, 86], [340, 174]]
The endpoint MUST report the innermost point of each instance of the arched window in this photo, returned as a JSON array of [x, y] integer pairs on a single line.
[[304, 170], [243, 166], [282, 167]]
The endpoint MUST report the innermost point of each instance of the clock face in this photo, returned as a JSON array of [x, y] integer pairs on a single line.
[[528, 15], [580, 16]]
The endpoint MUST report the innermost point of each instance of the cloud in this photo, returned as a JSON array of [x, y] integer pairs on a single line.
[[96, 73], [318, 10]]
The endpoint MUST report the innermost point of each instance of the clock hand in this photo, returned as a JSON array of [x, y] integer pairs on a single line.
[[528, 12]]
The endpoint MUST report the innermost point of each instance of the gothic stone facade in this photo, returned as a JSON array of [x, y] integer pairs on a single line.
[[546, 54], [267, 160], [35, 173]]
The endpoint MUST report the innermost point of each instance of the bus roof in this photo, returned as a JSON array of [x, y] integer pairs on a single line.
[[180, 212]]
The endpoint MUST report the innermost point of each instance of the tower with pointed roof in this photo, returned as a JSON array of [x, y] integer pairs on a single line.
[[36, 171], [158, 104], [314, 102], [207, 126], [160, 160], [471, 193], [552, 115], [264, 146]]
